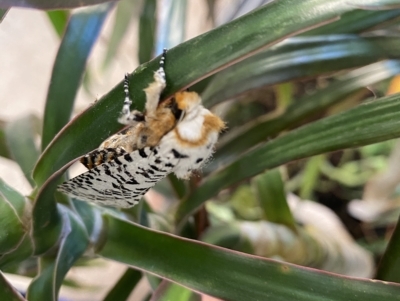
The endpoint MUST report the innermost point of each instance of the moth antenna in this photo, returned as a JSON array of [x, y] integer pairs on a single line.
[[127, 102], [161, 70], [162, 60]]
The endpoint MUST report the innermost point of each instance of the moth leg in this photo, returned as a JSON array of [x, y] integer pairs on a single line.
[[153, 91], [129, 117]]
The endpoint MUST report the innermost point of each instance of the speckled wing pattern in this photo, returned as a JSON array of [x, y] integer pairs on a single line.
[[172, 136], [123, 181]]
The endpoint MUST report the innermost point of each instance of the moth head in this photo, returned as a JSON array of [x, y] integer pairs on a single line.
[[187, 101]]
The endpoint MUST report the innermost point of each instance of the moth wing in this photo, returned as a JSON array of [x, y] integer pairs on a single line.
[[123, 181]]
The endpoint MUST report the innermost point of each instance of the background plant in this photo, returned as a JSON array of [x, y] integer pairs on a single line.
[[290, 79]]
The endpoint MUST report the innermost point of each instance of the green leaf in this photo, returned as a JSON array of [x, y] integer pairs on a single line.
[[46, 4], [179, 187], [4, 151], [73, 243], [14, 224], [46, 220], [123, 16], [3, 13], [310, 176], [172, 25], [264, 128], [58, 19], [147, 31], [297, 58], [389, 266], [80, 35], [125, 285], [16, 200], [357, 21], [184, 66], [371, 122], [15, 241], [271, 195], [231, 275], [20, 136], [23, 250], [376, 4], [7, 291], [90, 217]]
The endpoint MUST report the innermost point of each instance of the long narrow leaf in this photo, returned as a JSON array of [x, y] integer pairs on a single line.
[[389, 267], [124, 13], [238, 276], [58, 19], [356, 21], [271, 196], [299, 57], [264, 128], [125, 285], [171, 291], [3, 13], [81, 34], [4, 151], [147, 31]]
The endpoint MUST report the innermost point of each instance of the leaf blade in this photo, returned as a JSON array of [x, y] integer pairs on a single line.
[[253, 278], [81, 33]]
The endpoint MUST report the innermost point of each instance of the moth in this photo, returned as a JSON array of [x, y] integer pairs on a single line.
[[177, 135]]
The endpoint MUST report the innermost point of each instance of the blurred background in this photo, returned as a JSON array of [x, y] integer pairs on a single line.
[[337, 210]]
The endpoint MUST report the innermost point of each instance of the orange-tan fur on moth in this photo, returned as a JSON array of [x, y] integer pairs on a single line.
[[177, 135]]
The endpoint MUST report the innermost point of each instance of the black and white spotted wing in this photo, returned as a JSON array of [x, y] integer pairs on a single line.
[[123, 181]]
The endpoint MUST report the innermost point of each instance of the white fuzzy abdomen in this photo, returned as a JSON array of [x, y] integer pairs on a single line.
[[191, 157]]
